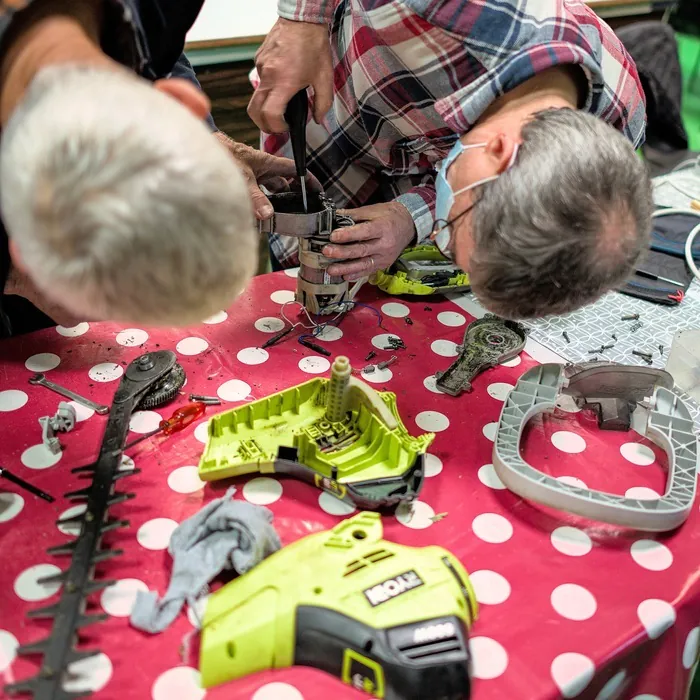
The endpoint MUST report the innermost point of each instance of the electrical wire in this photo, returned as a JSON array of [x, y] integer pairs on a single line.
[[691, 236]]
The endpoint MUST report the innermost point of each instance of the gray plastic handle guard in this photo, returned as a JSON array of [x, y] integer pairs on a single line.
[[669, 425]]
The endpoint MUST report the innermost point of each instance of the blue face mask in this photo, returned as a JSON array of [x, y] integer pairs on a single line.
[[445, 197]]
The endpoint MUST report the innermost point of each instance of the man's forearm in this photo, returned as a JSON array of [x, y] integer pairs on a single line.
[[312, 11], [47, 32]]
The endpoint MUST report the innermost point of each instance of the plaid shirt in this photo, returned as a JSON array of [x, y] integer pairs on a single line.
[[413, 75]]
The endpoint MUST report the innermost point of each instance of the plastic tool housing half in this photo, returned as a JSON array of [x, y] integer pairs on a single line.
[[669, 425], [337, 434], [385, 618]]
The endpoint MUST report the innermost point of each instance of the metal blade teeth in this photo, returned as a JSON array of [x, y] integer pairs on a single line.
[[105, 554], [39, 647], [60, 577], [60, 550], [87, 620], [125, 474], [87, 469], [72, 520], [113, 525], [117, 498], [48, 611], [79, 495], [95, 586]]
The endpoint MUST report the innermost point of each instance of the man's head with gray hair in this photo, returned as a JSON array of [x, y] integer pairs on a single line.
[[565, 224], [120, 204]]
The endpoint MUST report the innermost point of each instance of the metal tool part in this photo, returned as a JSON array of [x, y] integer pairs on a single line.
[[67, 393], [319, 292], [166, 389], [487, 342], [387, 363], [669, 424], [69, 612], [4, 474]]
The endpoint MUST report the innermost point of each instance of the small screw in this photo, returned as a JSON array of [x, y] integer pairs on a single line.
[[209, 400], [566, 337], [614, 337], [594, 359], [370, 356], [593, 352], [369, 369], [607, 347], [630, 317], [427, 308], [636, 327], [644, 355], [661, 349], [409, 321]]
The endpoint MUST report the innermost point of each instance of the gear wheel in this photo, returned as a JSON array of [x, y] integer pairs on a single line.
[[165, 390]]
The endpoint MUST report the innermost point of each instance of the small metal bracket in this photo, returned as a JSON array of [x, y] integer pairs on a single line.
[[669, 425]]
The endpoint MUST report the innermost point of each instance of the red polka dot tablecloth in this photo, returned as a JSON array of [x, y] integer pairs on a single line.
[[568, 608]]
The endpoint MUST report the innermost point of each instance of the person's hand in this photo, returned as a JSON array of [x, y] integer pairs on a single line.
[[21, 285], [380, 235], [263, 169], [293, 56]]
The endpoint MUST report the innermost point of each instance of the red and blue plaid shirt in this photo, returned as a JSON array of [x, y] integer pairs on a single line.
[[413, 75]]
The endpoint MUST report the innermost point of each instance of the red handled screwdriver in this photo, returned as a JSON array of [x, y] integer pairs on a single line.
[[181, 418]]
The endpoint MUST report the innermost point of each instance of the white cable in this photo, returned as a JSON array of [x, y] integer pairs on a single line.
[[691, 236], [689, 251]]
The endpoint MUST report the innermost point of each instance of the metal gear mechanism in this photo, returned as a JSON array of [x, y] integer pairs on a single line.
[[166, 389]]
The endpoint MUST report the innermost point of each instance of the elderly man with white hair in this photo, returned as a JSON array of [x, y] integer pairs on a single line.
[[117, 201], [504, 130]]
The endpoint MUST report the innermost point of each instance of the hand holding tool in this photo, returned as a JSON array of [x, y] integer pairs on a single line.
[[180, 419], [295, 115], [43, 381], [25, 485]]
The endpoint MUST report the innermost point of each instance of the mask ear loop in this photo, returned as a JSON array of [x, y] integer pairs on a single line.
[[484, 180]]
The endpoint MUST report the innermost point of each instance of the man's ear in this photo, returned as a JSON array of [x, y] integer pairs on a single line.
[[16, 258], [185, 93], [500, 149]]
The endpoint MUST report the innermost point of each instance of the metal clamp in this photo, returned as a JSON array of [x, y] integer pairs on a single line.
[[669, 425]]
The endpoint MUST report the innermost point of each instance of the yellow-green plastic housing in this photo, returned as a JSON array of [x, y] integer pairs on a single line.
[[398, 283], [246, 440], [249, 624]]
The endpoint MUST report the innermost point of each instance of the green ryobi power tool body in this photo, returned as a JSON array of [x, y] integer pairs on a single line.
[[387, 619]]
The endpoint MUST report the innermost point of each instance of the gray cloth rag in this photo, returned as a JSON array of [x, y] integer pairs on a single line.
[[225, 534]]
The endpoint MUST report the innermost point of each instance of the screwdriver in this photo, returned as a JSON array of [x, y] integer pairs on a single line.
[[180, 419], [26, 485], [295, 115]]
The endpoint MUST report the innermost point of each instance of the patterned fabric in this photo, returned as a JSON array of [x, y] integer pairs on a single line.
[[413, 75]]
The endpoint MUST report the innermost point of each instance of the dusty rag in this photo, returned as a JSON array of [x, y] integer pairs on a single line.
[[225, 534]]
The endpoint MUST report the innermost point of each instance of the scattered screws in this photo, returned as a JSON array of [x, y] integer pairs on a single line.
[[607, 347], [370, 356], [661, 349], [596, 351], [636, 327], [614, 337], [566, 337], [409, 321], [630, 317], [594, 359], [427, 308]]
